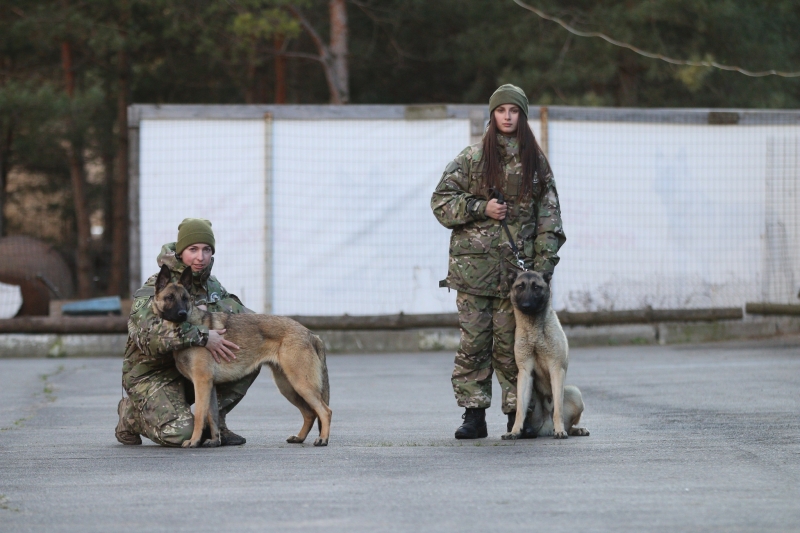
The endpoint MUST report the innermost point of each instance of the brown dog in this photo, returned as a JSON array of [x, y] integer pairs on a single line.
[[540, 350], [294, 354]]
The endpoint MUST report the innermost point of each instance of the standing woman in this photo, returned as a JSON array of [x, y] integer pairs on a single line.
[[509, 161]]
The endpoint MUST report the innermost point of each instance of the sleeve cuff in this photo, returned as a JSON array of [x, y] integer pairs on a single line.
[[203, 334], [477, 210], [544, 265]]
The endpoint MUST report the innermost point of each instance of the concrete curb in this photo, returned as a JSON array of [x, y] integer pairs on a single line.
[[39, 345], [18, 345]]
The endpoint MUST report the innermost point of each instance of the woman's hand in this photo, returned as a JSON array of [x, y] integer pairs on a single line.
[[496, 210], [219, 347]]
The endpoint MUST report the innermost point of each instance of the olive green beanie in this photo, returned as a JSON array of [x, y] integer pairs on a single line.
[[509, 94], [194, 231]]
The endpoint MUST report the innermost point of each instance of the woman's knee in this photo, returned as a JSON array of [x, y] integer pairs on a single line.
[[175, 433], [167, 419]]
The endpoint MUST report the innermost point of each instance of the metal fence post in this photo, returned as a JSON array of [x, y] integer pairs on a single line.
[[134, 237]]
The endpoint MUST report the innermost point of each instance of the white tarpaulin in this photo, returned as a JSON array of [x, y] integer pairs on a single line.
[[332, 216], [354, 232], [671, 216]]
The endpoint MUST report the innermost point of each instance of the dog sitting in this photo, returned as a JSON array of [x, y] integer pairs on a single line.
[[541, 353], [294, 354]]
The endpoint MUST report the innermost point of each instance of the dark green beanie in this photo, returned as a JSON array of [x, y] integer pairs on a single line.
[[194, 231], [509, 94]]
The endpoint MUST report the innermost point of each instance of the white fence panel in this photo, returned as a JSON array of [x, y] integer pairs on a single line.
[[210, 169], [671, 216], [324, 210], [354, 232]]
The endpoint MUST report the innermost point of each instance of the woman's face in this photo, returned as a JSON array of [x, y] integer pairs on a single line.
[[506, 117], [197, 256]]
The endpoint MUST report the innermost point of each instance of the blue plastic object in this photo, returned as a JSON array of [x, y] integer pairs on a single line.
[[94, 306]]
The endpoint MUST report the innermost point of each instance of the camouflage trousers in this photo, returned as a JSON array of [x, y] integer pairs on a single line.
[[487, 346], [159, 406]]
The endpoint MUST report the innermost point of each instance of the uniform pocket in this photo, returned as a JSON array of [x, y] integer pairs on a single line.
[[527, 234], [477, 239], [528, 250], [473, 270], [512, 186]]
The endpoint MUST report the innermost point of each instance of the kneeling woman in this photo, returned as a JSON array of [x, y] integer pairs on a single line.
[[159, 397], [507, 161]]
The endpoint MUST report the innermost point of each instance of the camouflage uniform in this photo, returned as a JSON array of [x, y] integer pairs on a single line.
[[480, 256], [159, 396]]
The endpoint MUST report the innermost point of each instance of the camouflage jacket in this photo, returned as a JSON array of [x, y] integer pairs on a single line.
[[479, 249], [151, 341]]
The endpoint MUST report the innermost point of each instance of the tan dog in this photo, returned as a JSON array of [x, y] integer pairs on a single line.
[[541, 352], [294, 354]]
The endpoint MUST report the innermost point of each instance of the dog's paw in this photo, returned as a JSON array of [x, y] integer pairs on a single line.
[[294, 439], [190, 444], [212, 443], [321, 442], [510, 436], [560, 435], [579, 432]]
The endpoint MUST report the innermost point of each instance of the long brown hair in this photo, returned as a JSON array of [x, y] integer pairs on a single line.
[[491, 163]]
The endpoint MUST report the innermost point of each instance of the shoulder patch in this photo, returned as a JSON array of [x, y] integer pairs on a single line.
[[452, 167], [145, 292], [138, 303]]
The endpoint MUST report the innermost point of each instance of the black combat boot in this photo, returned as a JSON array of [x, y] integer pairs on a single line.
[[228, 437], [474, 426], [527, 431]]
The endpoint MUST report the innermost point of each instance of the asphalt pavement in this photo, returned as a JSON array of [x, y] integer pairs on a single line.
[[683, 438]]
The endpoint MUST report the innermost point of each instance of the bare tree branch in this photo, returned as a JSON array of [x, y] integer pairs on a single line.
[[318, 42], [334, 65], [687, 62], [300, 55], [368, 10]]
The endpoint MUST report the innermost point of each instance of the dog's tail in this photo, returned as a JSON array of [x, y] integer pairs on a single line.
[[319, 347]]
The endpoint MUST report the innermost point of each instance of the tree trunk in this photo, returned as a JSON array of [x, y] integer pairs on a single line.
[[628, 71], [83, 261], [334, 57], [66, 63], [280, 72], [250, 83], [108, 156], [5, 166], [338, 49], [118, 277]]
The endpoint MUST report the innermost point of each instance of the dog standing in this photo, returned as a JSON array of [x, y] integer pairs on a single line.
[[294, 354], [541, 353]]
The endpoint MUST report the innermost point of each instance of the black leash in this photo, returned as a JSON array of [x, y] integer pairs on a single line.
[[494, 193]]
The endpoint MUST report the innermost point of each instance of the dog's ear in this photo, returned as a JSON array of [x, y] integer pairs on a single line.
[[511, 276], [186, 278], [163, 278], [547, 277]]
